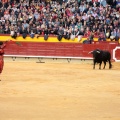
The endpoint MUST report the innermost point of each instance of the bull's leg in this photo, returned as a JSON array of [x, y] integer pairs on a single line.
[[100, 65], [104, 64], [94, 64], [110, 65]]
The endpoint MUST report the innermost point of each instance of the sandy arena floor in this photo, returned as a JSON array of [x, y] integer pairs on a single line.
[[59, 91]]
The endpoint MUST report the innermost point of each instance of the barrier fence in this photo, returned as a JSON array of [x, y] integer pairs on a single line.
[[60, 49]]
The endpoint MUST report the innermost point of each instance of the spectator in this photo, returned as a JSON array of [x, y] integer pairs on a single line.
[[101, 37], [46, 33], [60, 33], [7, 30], [6, 15], [95, 15], [81, 34], [25, 24], [107, 34], [1, 29], [87, 32], [32, 34], [38, 31], [68, 33], [115, 35], [87, 41], [65, 33]]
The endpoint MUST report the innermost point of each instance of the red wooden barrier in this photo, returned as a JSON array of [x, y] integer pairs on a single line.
[[58, 49]]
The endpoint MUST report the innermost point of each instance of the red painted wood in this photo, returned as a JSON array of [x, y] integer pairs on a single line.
[[117, 54], [57, 49]]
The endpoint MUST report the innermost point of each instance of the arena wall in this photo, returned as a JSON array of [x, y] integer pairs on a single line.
[[52, 48], [57, 49]]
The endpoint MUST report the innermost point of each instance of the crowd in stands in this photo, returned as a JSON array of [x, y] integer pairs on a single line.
[[68, 19]]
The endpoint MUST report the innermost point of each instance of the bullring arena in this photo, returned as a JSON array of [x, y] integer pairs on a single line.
[[59, 90], [48, 72], [38, 84]]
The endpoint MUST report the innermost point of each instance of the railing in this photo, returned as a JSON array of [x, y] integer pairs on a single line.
[[51, 38]]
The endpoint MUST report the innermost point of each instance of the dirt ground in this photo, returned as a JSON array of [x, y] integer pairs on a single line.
[[59, 91]]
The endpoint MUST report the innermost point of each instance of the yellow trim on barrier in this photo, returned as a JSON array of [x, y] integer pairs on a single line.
[[41, 39]]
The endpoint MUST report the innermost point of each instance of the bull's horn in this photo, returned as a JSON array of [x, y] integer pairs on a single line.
[[90, 52], [98, 51]]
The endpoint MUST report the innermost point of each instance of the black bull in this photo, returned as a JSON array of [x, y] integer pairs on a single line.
[[100, 56]]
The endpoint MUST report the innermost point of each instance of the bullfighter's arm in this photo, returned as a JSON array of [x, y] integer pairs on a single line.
[[4, 44]]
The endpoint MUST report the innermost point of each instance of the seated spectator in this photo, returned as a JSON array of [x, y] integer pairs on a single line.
[[72, 35], [68, 33], [1, 29], [25, 24], [17, 31], [55, 30], [2, 20], [90, 14], [7, 30], [91, 37], [79, 24], [87, 41], [65, 33], [101, 38], [107, 34], [32, 34], [6, 15], [105, 29], [13, 33], [87, 32], [81, 34], [25, 32], [38, 32], [118, 4], [77, 32], [68, 12], [60, 33], [46, 33], [115, 35]]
